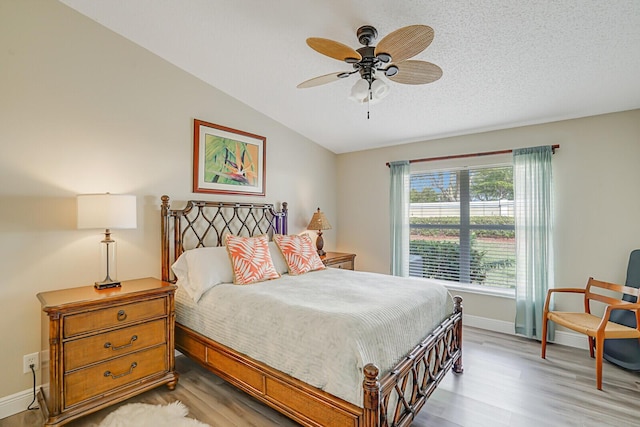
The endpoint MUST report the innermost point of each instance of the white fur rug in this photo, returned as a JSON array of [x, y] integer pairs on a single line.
[[144, 415]]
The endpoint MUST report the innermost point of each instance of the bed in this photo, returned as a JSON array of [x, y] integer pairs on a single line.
[[389, 395]]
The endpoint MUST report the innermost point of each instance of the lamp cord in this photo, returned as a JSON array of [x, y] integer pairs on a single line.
[[33, 371]]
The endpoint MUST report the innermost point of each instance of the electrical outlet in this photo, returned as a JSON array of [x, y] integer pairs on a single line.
[[30, 359]]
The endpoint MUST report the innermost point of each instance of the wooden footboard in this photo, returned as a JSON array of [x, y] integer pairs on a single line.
[[405, 389], [393, 400]]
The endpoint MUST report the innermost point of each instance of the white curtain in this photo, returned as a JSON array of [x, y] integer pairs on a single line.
[[533, 197], [399, 205]]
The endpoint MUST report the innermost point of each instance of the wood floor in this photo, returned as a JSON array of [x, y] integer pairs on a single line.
[[505, 383]]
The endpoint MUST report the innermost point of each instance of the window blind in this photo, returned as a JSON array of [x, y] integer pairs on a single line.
[[462, 226]]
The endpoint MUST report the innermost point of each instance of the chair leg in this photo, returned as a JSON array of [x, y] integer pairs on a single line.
[[544, 338], [591, 345], [599, 352]]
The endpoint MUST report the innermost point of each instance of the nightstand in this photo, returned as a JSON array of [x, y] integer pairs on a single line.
[[339, 260], [106, 346]]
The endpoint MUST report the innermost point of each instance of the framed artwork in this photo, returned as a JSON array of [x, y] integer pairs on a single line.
[[228, 161]]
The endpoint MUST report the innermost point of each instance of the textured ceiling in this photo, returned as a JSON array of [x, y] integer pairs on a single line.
[[505, 63]]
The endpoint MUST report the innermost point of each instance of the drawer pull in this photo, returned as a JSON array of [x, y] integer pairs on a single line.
[[122, 315], [109, 374], [114, 348]]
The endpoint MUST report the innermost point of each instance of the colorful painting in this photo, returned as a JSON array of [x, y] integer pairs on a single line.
[[227, 160]]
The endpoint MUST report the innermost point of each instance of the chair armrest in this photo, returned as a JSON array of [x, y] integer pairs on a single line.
[[571, 290], [631, 307], [565, 290], [607, 313]]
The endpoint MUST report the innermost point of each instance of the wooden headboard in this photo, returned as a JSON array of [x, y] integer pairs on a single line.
[[204, 224]]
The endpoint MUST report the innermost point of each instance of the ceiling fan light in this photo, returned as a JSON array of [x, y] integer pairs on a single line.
[[359, 91], [379, 89]]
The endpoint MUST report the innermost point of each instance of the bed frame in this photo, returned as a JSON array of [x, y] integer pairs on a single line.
[[393, 400]]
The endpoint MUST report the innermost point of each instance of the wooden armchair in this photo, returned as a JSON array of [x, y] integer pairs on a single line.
[[596, 328]]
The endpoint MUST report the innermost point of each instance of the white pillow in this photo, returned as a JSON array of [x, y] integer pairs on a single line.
[[199, 270], [278, 259]]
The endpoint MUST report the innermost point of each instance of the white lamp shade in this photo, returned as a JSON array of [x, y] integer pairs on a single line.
[[359, 91], [106, 211], [379, 89]]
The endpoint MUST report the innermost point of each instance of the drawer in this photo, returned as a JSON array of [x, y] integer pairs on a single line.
[[120, 315], [97, 348], [347, 265], [86, 383]]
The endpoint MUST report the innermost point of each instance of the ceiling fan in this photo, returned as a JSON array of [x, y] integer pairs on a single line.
[[389, 58]]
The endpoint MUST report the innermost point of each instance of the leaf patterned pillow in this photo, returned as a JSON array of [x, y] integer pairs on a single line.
[[250, 259], [299, 252]]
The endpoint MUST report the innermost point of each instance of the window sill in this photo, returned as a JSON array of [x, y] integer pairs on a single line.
[[476, 289]]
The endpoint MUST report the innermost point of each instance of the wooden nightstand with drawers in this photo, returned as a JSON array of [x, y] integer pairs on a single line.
[[106, 346], [339, 260]]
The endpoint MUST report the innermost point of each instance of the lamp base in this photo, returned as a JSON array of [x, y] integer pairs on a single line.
[[107, 285], [320, 244]]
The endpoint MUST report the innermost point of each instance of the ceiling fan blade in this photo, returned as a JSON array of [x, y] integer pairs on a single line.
[[317, 81], [333, 49], [416, 72], [405, 42]]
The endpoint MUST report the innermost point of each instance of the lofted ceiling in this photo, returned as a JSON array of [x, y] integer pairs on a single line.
[[505, 63]]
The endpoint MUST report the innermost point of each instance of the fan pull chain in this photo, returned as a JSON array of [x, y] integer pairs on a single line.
[[368, 101]]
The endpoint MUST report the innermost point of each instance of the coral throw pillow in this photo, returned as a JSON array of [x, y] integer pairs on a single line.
[[299, 252], [250, 259]]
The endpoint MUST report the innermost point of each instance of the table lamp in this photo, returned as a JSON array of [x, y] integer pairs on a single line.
[[107, 211], [319, 222]]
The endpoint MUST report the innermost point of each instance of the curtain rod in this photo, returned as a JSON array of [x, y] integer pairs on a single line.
[[462, 156]]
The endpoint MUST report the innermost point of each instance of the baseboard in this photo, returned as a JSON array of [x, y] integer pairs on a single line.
[[15, 403], [571, 340], [561, 337], [488, 324]]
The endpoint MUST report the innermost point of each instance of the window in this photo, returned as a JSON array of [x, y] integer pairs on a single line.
[[462, 226]]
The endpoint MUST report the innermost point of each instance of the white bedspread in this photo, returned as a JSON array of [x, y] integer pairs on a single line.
[[321, 327]]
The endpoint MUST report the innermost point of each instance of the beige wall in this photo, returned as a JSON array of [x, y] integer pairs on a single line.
[[597, 181], [84, 110]]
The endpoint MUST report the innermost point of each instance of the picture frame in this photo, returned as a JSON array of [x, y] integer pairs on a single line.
[[228, 161]]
